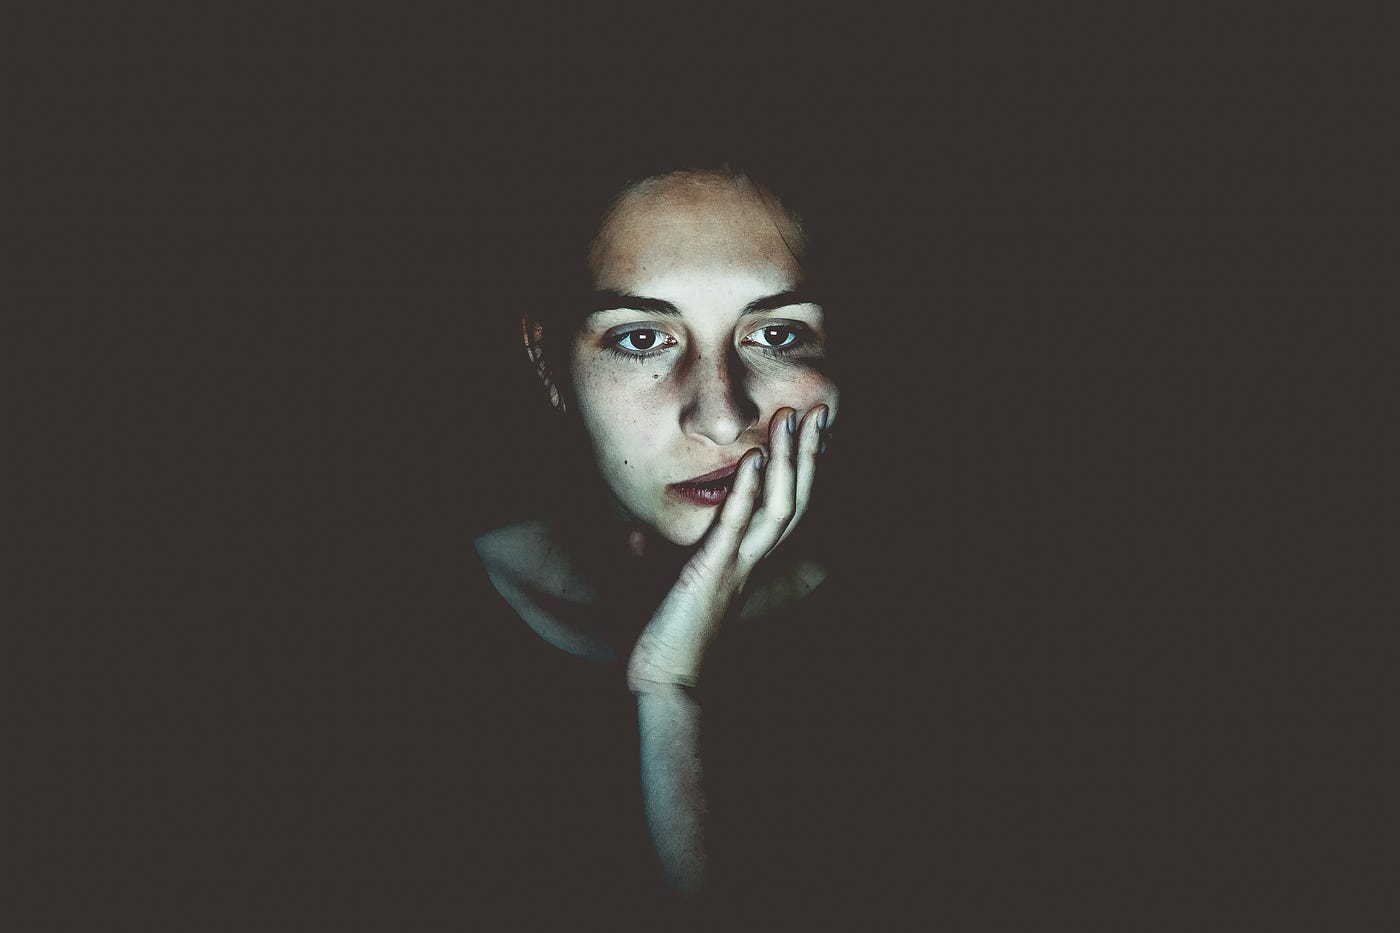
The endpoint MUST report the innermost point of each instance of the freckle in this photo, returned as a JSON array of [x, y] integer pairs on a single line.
[[656, 375]]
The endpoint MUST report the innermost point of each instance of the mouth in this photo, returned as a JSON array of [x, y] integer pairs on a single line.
[[707, 490]]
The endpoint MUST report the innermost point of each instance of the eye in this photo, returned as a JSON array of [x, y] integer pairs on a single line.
[[640, 343], [774, 336]]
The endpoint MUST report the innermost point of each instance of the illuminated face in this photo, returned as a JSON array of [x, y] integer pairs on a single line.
[[699, 335]]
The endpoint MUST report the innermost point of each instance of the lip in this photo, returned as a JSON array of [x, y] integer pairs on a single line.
[[708, 489]]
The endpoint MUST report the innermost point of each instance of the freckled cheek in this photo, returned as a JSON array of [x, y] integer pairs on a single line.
[[627, 422], [800, 392]]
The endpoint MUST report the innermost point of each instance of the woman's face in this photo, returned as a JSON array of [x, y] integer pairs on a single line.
[[699, 334]]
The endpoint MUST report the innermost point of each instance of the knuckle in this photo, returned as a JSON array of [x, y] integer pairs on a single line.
[[749, 556], [775, 525]]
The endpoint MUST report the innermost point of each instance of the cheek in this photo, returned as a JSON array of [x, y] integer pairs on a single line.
[[625, 420], [798, 390]]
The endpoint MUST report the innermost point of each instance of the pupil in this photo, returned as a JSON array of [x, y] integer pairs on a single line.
[[775, 334], [643, 339]]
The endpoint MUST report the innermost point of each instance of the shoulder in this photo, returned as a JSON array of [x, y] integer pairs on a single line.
[[530, 567], [792, 583], [531, 554], [512, 550]]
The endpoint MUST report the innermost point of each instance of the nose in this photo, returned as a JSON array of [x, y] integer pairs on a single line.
[[717, 406]]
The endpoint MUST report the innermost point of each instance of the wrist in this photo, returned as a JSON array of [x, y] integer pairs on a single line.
[[663, 698], [652, 673], [670, 650]]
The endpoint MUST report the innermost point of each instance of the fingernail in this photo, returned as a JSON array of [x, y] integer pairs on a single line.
[[792, 421], [758, 462], [821, 419]]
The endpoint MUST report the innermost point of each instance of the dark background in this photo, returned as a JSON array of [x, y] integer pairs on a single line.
[[1118, 436]]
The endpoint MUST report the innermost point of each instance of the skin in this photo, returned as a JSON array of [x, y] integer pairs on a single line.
[[712, 384], [665, 398]]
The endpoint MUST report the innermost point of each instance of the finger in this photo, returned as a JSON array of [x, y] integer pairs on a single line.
[[737, 511], [779, 489], [809, 443]]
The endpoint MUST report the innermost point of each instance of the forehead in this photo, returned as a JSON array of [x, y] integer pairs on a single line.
[[688, 225]]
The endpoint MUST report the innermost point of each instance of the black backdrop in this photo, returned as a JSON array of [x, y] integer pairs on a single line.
[[1116, 416]]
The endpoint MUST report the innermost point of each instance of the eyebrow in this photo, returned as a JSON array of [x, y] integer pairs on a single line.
[[609, 300]]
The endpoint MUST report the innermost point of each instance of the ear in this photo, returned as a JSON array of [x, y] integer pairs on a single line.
[[533, 333]]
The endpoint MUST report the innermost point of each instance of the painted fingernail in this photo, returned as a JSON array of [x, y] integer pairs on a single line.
[[792, 421]]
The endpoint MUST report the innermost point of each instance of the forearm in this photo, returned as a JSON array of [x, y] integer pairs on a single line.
[[667, 657], [669, 720]]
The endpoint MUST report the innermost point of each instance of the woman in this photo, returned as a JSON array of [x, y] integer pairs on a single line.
[[694, 367]]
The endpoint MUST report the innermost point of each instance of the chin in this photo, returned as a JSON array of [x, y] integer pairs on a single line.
[[688, 530]]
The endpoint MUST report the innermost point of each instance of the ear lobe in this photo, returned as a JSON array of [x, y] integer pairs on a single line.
[[533, 333]]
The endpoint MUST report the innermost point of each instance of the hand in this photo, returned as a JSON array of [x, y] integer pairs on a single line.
[[761, 510]]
